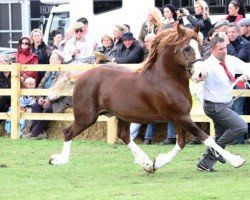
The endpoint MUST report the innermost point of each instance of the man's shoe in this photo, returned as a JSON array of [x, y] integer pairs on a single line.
[[202, 168], [147, 142], [168, 141], [41, 136], [217, 156]]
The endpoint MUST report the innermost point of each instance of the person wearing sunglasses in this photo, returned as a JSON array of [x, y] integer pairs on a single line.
[[79, 49], [25, 56]]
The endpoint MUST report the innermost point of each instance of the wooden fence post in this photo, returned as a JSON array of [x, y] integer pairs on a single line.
[[112, 130], [15, 104]]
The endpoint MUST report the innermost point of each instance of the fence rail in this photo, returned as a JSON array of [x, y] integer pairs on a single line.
[[16, 92]]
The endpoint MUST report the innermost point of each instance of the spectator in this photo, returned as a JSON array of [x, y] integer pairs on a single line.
[[236, 11], [169, 12], [130, 51], [25, 56], [44, 104], [240, 48], [117, 34], [89, 37], [57, 39], [220, 68], [39, 48], [107, 49], [153, 24], [78, 50], [221, 26], [69, 33], [201, 17], [4, 83], [245, 28], [127, 28]]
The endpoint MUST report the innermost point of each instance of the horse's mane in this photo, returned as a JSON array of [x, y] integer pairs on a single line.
[[171, 38]]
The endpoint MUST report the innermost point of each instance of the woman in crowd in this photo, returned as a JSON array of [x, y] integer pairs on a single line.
[[25, 56], [44, 105], [201, 17], [170, 15], [117, 34], [39, 48], [153, 24], [57, 39], [107, 49], [236, 11]]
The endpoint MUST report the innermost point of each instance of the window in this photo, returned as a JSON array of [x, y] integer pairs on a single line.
[[59, 22], [101, 6]]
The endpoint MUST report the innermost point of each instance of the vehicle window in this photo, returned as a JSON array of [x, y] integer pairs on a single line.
[[101, 6], [59, 22]]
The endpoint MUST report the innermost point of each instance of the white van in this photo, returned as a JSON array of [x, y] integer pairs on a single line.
[[102, 15]]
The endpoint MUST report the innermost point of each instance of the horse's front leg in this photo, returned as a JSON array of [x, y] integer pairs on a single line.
[[163, 159], [140, 156]]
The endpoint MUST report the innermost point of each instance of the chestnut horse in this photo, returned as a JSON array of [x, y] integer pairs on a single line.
[[158, 92]]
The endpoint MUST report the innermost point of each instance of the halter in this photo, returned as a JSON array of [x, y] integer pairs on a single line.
[[190, 64]]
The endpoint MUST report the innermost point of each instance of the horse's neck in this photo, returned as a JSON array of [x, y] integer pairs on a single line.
[[164, 69]]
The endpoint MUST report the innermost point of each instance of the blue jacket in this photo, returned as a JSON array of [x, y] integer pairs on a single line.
[[240, 48]]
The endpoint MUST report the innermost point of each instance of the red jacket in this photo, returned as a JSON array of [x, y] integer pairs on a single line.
[[27, 57]]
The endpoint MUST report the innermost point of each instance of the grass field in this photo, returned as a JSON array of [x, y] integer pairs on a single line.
[[98, 170]]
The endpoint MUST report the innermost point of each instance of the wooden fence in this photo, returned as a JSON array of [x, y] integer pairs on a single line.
[[15, 92]]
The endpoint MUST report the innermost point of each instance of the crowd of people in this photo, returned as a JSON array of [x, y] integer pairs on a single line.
[[76, 46]]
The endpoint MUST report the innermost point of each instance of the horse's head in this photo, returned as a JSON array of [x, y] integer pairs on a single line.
[[187, 51]]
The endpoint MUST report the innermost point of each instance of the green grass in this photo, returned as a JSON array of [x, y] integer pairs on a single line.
[[98, 170]]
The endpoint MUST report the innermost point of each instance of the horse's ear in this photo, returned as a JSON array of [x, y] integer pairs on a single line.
[[179, 30], [197, 29]]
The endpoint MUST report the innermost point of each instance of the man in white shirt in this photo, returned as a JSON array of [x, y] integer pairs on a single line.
[[78, 49], [217, 72]]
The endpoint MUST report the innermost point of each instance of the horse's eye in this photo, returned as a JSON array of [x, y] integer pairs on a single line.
[[187, 48]]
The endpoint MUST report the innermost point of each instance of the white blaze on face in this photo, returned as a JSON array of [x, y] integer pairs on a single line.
[[197, 65]]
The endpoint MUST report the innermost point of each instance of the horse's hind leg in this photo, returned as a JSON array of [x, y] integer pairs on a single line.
[[140, 156], [163, 159], [79, 125]]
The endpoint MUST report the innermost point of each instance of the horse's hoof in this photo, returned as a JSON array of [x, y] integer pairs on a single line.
[[58, 160], [149, 167], [238, 161]]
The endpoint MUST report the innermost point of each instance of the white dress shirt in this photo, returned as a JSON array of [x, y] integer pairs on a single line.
[[216, 86]]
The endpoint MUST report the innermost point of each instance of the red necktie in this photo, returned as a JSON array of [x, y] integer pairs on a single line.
[[240, 84]]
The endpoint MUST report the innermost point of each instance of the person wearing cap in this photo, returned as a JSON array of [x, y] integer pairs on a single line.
[[78, 49], [130, 51], [245, 28], [221, 26]]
